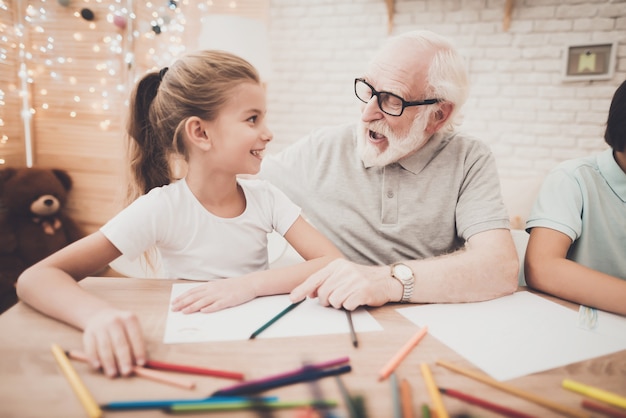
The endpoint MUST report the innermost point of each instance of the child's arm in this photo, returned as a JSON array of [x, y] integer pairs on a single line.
[[311, 244], [546, 269], [112, 337]]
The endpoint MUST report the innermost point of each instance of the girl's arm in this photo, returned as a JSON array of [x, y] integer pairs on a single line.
[[311, 244], [112, 337], [547, 269]]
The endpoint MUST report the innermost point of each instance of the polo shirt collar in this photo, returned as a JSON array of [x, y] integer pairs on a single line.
[[612, 173], [416, 162]]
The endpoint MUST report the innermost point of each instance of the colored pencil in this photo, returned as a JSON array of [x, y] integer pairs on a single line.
[[347, 399], [307, 376], [355, 342], [268, 379], [435, 396], [490, 406], [425, 411], [155, 375], [515, 391], [595, 393], [274, 319], [182, 368], [401, 354], [606, 410], [250, 404], [395, 396], [166, 403], [90, 405], [405, 396]]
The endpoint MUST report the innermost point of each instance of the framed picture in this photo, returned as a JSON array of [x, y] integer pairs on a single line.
[[589, 62]]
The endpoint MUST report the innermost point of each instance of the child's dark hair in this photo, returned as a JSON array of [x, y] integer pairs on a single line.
[[615, 134], [197, 84]]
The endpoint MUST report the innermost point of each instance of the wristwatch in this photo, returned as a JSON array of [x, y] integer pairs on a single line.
[[405, 276]]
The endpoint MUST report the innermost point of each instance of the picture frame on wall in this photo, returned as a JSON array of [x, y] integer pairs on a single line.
[[584, 62]]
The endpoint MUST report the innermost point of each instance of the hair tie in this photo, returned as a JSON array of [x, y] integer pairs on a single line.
[[162, 73]]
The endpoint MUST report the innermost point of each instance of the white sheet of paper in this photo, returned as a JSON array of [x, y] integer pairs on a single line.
[[237, 323], [518, 334]]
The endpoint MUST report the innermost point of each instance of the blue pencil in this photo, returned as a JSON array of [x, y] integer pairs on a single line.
[[166, 403]]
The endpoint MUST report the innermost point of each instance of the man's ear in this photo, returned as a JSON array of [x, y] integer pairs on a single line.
[[196, 131], [439, 117]]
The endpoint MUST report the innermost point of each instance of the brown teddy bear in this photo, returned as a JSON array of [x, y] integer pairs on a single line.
[[33, 224]]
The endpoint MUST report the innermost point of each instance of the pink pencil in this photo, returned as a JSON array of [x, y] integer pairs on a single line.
[[401, 354], [181, 368], [143, 372]]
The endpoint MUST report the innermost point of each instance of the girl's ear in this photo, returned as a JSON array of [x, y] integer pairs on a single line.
[[196, 131]]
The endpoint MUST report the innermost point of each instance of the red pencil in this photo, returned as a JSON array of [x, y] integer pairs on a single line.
[[606, 410], [502, 410], [181, 368]]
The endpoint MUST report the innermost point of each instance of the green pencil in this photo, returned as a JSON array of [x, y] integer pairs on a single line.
[[236, 406], [274, 319]]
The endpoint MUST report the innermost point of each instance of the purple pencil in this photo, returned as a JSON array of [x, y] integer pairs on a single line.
[[307, 368]]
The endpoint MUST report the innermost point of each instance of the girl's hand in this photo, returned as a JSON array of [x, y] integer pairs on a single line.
[[113, 341], [214, 296]]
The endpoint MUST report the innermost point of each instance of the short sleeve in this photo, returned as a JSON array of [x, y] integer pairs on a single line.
[[558, 205]]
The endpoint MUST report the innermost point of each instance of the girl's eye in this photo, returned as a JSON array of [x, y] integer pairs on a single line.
[[252, 119]]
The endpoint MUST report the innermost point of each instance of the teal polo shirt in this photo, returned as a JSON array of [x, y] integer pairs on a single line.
[[585, 199]]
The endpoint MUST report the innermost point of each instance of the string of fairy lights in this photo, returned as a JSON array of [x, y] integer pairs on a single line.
[[105, 35]]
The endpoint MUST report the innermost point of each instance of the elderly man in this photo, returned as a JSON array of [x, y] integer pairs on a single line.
[[415, 207]]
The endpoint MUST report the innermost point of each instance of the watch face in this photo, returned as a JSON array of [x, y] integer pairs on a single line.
[[402, 272]]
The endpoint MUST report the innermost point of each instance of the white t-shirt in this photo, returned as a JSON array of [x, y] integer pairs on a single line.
[[192, 242]]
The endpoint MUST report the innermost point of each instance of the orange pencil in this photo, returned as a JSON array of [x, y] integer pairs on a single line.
[[401, 354], [546, 403], [155, 375], [405, 397]]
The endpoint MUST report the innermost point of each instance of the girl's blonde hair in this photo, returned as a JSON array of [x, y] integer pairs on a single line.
[[197, 84]]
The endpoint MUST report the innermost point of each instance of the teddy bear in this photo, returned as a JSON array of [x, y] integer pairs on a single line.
[[33, 223]]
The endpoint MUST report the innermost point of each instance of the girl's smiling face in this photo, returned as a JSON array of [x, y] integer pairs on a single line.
[[240, 133]]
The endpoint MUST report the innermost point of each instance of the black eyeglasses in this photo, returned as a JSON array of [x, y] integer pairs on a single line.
[[389, 103]]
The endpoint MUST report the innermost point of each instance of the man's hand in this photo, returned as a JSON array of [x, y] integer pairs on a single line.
[[343, 284]]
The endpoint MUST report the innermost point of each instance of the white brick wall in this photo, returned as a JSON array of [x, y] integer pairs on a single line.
[[518, 104]]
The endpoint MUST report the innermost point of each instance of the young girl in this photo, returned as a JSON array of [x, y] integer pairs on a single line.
[[208, 108]]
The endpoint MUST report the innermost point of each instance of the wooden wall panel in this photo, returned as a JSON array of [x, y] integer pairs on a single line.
[[11, 123], [82, 73]]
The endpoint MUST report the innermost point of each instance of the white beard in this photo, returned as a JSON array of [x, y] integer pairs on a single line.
[[398, 146]]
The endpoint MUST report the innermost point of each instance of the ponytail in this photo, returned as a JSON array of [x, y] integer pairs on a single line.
[[148, 154]]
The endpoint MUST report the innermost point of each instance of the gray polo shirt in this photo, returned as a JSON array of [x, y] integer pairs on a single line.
[[426, 205], [585, 199]]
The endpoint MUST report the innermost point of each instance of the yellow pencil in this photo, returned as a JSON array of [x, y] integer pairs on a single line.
[[433, 391], [595, 393], [570, 412], [90, 405]]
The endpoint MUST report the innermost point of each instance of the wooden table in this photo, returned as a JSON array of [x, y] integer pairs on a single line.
[[31, 384]]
